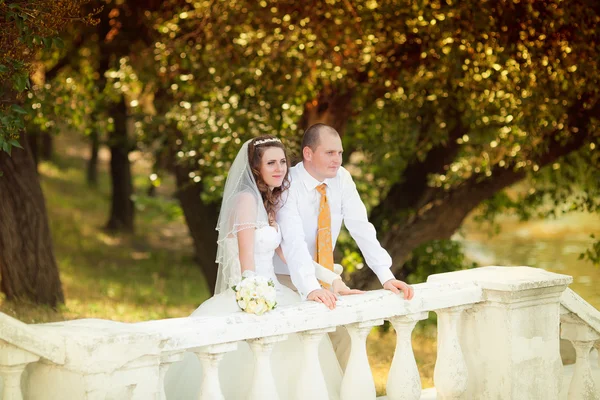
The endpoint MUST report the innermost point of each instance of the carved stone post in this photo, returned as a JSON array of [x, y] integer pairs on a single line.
[[13, 362], [358, 383], [311, 382], [510, 340], [404, 382], [263, 386], [450, 375], [210, 356]]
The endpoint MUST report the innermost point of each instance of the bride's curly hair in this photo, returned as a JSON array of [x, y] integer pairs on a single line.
[[271, 198]]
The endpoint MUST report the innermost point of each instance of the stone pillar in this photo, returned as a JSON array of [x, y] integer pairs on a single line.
[[357, 383], [450, 375], [166, 360], [583, 337], [210, 356], [404, 381], [511, 340], [311, 382], [13, 362], [263, 385]]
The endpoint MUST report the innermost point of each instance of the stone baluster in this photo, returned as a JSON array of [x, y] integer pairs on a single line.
[[358, 383], [450, 374], [166, 359], [583, 337], [11, 375], [311, 382], [13, 362], [210, 356], [404, 382], [582, 385], [263, 385]]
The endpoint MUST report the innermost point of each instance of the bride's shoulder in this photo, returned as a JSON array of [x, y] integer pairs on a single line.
[[246, 196], [246, 202]]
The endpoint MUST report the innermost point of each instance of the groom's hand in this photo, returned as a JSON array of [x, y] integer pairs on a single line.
[[395, 286], [339, 288], [323, 296]]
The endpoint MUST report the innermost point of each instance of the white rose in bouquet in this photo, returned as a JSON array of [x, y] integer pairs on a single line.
[[255, 294]]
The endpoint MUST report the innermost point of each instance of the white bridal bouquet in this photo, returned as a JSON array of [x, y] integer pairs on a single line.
[[255, 294]]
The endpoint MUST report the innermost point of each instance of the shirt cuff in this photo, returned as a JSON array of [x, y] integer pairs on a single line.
[[384, 275]]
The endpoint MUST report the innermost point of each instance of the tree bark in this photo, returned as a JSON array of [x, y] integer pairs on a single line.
[[32, 139], [444, 211], [47, 146], [92, 165], [27, 263], [122, 207], [331, 107], [201, 220]]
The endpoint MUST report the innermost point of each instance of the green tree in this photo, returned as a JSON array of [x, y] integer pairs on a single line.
[[441, 105], [27, 262]]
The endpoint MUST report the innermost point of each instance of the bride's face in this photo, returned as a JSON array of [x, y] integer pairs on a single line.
[[273, 166]]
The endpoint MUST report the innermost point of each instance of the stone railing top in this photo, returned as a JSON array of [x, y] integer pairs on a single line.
[[185, 333], [178, 334], [573, 303], [508, 279], [31, 339], [105, 339]]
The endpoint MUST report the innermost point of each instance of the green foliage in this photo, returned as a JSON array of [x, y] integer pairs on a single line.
[[592, 254], [27, 27], [488, 86], [436, 257]]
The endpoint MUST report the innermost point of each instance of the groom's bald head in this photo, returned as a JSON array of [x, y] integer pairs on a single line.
[[312, 136]]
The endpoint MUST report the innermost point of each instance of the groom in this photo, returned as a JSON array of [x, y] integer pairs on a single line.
[[322, 195]]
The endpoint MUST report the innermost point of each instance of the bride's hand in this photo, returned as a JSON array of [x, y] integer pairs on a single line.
[[339, 288]]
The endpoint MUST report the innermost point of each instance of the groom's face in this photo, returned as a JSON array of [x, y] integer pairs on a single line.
[[326, 160]]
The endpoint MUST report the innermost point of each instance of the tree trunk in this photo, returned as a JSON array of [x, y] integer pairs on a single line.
[[332, 107], [27, 264], [92, 166], [47, 146], [32, 139], [122, 207], [201, 220], [444, 211]]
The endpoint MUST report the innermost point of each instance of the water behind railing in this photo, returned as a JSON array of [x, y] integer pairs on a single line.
[[554, 245]]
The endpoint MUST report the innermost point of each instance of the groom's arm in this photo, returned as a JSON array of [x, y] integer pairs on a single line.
[[293, 245], [362, 231]]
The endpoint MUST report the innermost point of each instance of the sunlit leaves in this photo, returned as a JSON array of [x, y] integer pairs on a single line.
[[27, 26]]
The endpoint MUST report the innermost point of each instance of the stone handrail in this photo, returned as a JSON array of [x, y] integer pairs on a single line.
[[492, 322], [21, 345], [29, 338], [580, 324]]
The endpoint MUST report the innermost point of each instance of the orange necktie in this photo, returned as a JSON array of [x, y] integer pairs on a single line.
[[324, 254]]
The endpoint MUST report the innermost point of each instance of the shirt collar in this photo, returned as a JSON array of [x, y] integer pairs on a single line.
[[309, 181]]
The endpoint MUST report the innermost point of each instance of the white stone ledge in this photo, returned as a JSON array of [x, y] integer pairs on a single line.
[[96, 345], [29, 338], [573, 303], [505, 279], [185, 333]]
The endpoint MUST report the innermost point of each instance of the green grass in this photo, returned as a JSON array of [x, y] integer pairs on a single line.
[[148, 275]]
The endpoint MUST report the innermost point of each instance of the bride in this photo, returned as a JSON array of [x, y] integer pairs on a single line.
[[248, 239]]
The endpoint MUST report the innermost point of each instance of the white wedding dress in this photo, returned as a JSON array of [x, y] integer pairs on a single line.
[[237, 368]]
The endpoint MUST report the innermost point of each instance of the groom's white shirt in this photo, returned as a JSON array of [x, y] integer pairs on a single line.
[[298, 219]]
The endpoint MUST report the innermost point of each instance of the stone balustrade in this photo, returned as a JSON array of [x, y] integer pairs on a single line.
[[498, 335], [580, 324]]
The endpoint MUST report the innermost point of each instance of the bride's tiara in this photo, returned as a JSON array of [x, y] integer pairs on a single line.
[[263, 141]]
